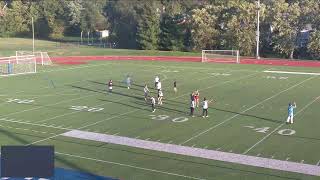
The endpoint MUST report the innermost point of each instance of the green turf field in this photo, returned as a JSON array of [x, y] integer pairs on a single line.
[[247, 118]]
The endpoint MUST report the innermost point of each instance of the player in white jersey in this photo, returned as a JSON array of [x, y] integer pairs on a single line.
[[156, 81], [291, 108], [153, 103], [158, 86], [160, 96], [128, 81], [146, 92], [205, 106]]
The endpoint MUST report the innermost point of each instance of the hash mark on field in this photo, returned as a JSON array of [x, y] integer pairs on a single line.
[[137, 137], [230, 151], [287, 158], [318, 164], [159, 140], [272, 157], [258, 154], [116, 133], [193, 145], [147, 139], [218, 149], [170, 142], [302, 161], [206, 147]]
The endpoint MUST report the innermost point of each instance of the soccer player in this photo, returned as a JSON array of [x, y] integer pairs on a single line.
[[156, 81], [205, 106], [160, 96], [192, 106], [197, 97], [291, 107], [110, 85], [153, 104], [128, 81], [146, 92], [175, 86], [158, 86]]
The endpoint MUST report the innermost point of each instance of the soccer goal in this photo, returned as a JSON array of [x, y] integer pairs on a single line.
[[15, 66], [226, 56], [41, 57]]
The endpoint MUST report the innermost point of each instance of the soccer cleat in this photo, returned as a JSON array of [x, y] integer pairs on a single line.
[[203, 116]]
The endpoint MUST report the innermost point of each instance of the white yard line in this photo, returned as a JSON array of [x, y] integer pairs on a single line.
[[236, 115], [289, 72], [198, 152], [130, 166], [33, 124], [265, 137]]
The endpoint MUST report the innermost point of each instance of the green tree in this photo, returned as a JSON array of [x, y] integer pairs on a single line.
[[287, 25], [204, 33], [148, 25], [314, 44]]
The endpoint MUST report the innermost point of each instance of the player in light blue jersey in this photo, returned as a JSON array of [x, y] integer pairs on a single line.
[[291, 108]]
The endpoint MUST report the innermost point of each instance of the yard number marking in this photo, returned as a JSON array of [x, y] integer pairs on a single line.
[[86, 108], [274, 77], [220, 74], [284, 132], [20, 101], [165, 117]]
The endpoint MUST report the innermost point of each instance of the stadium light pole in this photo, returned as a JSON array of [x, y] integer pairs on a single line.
[[258, 29], [32, 34]]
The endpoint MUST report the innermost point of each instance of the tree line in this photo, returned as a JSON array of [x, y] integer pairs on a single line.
[[288, 28]]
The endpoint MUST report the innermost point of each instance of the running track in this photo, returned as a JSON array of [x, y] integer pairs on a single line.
[[276, 62]]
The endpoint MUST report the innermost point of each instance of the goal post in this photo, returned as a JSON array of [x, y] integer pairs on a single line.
[[225, 56], [14, 66], [41, 57]]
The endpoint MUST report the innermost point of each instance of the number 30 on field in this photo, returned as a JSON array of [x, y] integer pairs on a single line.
[[166, 117]]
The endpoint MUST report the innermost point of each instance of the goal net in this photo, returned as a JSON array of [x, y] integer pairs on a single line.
[[41, 57], [14, 65], [226, 56]]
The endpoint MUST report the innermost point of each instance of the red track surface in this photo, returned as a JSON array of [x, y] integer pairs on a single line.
[[277, 62]]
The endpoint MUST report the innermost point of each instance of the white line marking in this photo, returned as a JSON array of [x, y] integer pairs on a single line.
[[264, 138], [218, 149], [302, 161], [116, 133], [159, 140], [206, 147], [230, 151], [272, 157], [74, 112], [170, 142], [287, 158], [193, 145], [33, 124], [147, 139], [258, 154], [137, 137], [318, 163], [288, 72], [198, 152], [127, 165]]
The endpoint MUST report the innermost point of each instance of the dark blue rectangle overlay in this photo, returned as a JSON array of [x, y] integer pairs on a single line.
[[27, 161]]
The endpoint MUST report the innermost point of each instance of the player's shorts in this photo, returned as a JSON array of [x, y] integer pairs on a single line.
[[110, 87], [290, 115], [196, 98], [145, 94]]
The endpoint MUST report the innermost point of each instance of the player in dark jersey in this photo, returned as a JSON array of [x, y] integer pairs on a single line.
[[110, 85], [175, 86]]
